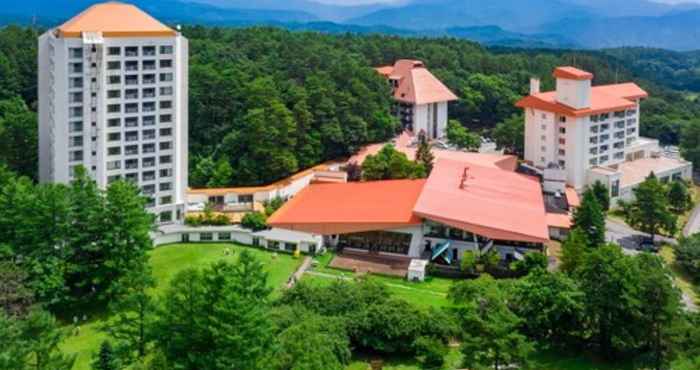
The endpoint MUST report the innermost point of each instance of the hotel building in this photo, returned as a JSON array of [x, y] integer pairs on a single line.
[[591, 133], [113, 99]]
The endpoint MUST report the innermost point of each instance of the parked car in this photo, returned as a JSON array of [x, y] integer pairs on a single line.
[[646, 245]]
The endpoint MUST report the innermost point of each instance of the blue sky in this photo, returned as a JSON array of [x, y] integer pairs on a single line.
[[353, 2]]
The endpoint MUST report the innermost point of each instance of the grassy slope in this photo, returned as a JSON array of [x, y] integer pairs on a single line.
[[167, 261]]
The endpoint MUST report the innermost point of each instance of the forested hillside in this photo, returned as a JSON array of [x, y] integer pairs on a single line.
[[266, 102]]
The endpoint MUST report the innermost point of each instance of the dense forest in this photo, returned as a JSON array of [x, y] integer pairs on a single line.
[[266, 102]]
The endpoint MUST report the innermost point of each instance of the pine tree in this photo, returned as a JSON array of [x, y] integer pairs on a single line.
[[423, 153], [602, 194], [679, 197], [649, 212], [104, 360], [573, 251], [589, 218]]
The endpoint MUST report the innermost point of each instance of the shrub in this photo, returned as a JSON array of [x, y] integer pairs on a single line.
[[531, 261], [430, 352], [255, 221], [468, 263], [688, 255]]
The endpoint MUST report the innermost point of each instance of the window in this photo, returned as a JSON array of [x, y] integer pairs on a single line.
[[149, 120], [615, 189], [290, 247], [166, 49], [115, 150], [149, 162], [111, 179], [76, 97], [114, 50], [148, 189], [166, 216], [149, 134], [149, 79], [114, 65], [166, 63], [131, 66], [166, 91], [594, 129], [595, 118], [149, 93], [149, 148], [165, 186], [593, 161], [131, 136], [75, 53], [206, 237], [149, 50], [113, 80], [562, 119], [131, 122], [75, 127], [166, 77], [75, 83], [114, 136], [113, 94], [165, 132], [166, 145], [131, 149], [245, 198], [562, 141], [76, 68], [114, 165], [165, 159], [166, 199], [166, 104], [131, 164], [131, 51], [593, 151], [562, 152], [166, 118], [149, 176], [224, 236], [132, 80], [149, 107], [166, 172], [75, 141], [131, 108], [149, 65], [75, 156], [562, 130]]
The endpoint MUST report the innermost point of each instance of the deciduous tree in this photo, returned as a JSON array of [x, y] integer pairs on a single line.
[[590, 219]]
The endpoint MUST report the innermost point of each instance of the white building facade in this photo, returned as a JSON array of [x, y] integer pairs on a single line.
[[592, 133], [113, 99]]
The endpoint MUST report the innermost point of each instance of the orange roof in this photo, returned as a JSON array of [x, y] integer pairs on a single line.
[[572, 197], [606, 98], [114, 19], [491, 202], [351, 207], [416, 85], [572, 73], [559, 220]]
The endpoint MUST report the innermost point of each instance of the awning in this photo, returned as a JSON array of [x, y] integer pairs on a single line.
[[439, 250]]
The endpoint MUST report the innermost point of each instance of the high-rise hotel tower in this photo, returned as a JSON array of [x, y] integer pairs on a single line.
[[113, 98]]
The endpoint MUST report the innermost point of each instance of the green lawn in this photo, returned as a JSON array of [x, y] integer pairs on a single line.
[[166, 262], [430, 293]]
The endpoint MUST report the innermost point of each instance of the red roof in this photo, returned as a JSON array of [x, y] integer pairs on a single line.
[[351, 207], [492, 202], [416, 85], [606, 98], [115, 19], [572, 73]]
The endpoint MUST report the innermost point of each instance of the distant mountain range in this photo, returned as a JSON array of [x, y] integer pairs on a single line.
[[521, 23]]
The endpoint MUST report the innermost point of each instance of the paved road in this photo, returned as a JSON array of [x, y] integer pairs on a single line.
[[629, 238], [693, 225]]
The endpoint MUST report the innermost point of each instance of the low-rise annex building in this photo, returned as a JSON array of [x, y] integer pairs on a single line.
[[462, 206], [421, 98], [592, 134]]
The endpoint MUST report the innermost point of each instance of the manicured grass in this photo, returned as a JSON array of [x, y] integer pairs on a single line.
[[166, 262], [430, 293]]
